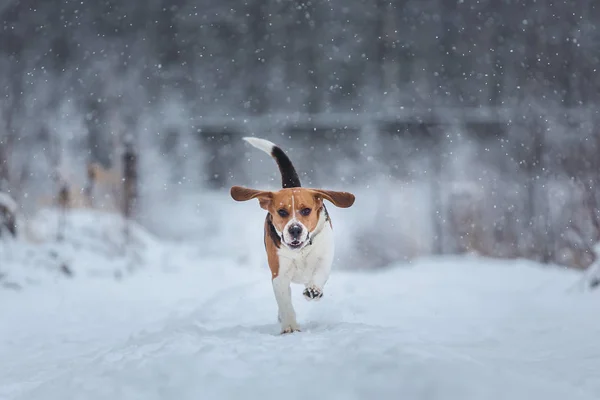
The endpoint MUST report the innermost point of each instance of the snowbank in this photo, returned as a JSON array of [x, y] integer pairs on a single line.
[[87, 243], [452, 328]]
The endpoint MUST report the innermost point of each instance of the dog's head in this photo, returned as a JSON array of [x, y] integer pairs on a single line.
[[295, 211]]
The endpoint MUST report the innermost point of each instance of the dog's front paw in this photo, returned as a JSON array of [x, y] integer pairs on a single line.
[[312, 293], [289, 328]]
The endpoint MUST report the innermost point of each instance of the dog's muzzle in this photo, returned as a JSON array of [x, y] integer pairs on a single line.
[[296, 236]]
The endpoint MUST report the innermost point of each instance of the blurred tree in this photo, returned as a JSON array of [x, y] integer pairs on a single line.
[[155, 66]]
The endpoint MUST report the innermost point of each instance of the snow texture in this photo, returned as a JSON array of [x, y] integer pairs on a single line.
[[188, 325]]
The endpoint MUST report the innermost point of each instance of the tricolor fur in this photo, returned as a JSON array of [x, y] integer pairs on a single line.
[[298, 233]]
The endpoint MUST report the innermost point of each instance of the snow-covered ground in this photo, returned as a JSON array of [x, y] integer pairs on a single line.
[[188, 324]]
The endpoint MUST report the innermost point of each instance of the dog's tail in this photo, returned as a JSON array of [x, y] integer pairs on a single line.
[[289, 176]]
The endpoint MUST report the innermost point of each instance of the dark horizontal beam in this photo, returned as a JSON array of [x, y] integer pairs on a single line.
[[432, 116]]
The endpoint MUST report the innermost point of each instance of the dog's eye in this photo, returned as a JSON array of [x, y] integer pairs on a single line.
[[305, 211], [283, 213]]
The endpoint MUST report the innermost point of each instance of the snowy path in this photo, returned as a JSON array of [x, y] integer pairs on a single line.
[[450, 329]]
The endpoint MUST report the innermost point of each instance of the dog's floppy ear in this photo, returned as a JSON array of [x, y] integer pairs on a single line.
[[339, 199], [239, 193]]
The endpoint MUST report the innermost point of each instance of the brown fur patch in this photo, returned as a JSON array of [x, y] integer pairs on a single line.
[[271, 247], [239, 193], [339, 199]]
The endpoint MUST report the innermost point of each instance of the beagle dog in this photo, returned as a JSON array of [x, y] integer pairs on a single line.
[[298, 233]]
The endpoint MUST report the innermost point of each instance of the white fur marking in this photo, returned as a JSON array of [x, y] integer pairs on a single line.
[[262, 144]]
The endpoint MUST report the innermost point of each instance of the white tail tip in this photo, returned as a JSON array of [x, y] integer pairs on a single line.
[[262, 144]]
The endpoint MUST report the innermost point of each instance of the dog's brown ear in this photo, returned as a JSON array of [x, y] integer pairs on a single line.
[[339, 199], [239, 193]]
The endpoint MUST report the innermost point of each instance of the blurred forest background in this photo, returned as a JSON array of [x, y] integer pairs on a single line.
[[485, 111]]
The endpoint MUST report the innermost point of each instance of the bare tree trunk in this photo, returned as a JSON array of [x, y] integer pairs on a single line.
[[130, 180], [63, 195], [498, 61], [7, 141], [538, 203], [532, 167], [168, 47], [387, 55], [451, 61], [8, 217], [4, 170], [593, 186], [306, 44], [130, 196], [437, 191], [257, 52], [570, 71], [63, 204]]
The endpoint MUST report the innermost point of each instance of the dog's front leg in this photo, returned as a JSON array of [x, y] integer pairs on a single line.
[[283, 295], [314, 288]]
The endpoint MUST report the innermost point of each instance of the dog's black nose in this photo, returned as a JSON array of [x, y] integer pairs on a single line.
[[295, 230]]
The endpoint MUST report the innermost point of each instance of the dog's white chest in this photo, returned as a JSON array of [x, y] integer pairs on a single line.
[[301, 272], [300, 266]]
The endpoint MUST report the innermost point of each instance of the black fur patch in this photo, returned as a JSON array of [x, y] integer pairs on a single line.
[[326, 213], [272, 232], [289, 176]]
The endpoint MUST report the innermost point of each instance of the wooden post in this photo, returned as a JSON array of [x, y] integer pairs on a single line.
[[130, 180], [6, 144], [130, 183], [8, 210], [437, 192], [63, 203]]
